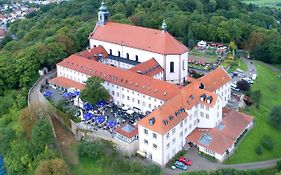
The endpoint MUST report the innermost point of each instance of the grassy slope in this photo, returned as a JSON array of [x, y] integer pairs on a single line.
[[270, 87], [242, 65], [267, 3]]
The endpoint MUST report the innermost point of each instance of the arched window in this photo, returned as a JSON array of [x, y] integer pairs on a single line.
[[119, 53], [137, 58], [172, 66], [128, 56], [110, 52]]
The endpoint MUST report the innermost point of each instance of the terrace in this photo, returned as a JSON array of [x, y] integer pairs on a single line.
[[104, 116]]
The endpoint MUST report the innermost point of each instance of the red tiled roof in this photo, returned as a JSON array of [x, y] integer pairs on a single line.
[[222, 139], [125, 78], [139, 37], [215, 79], [129, 135], [188, 97], [93, 53], [150, 68], [66, 83]]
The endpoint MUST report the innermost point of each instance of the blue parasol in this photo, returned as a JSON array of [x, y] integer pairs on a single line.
[[88, 116], [111, 123], [101, 103], [76, 93], [47, 93], [67, 94], [88, 106], [100, 119]]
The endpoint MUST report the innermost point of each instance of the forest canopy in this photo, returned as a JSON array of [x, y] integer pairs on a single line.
[[56, 31]]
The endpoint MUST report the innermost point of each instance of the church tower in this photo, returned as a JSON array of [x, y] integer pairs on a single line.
[[103, 14]]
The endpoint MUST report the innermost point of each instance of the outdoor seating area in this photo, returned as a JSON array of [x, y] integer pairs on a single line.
[[107, 116], [104, 115]]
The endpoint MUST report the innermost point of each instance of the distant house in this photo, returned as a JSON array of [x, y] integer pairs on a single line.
[[202, 44], [2, 33]]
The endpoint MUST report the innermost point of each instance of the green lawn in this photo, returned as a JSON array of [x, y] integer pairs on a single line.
[[238, 64], [267, 3], [270, 87], [208, 56]]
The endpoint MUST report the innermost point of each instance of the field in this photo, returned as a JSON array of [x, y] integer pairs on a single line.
[[270, 86], [266, 3], [209, 56]]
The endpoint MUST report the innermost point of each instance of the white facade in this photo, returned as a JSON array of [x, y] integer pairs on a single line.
[[209, 117], [224, 93], [177, 74], [121, 95]]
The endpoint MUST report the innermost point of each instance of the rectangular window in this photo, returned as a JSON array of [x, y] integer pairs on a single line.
[[174, 130], [133, 100], [145, 131], [201, 106], [154, 135], [207, 116], [201, 114], [112, 92], [138, 101], [168, 135], [207, 108], [123, 96], [154, 146], [181, 134], [145, 141], [143, 103], [149, 105], [174, 140], [117, 94], [181, 124], [128, 98], [168, 145]]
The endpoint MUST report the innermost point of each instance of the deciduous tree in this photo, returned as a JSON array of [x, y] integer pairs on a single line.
[[94, 91]]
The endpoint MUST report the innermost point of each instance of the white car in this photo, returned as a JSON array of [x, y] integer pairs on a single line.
[[248, 80]]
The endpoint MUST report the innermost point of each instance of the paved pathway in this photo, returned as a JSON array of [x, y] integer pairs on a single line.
[[202, 164]]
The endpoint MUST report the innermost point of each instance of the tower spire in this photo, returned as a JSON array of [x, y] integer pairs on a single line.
[[103, 14], [164, 26]]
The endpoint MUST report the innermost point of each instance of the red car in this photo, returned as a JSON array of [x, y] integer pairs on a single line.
[[184, 161]]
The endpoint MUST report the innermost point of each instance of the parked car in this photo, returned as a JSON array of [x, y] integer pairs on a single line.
[[180, 165], [235, 89], [184, 161], [248, 80]]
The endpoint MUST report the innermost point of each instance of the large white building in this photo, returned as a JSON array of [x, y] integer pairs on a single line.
[[145, 69]]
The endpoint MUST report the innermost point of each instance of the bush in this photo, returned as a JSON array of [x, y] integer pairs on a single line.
[[259, 150], [275, 117], [243, 85], [152, 170], [267, 143], [278, 165], [93, 151]]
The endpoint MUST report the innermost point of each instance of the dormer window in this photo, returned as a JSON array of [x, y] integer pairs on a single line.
[[209, 99], [203, 97], [171, 117], [201, 86], [152, 121], [165, 122]]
